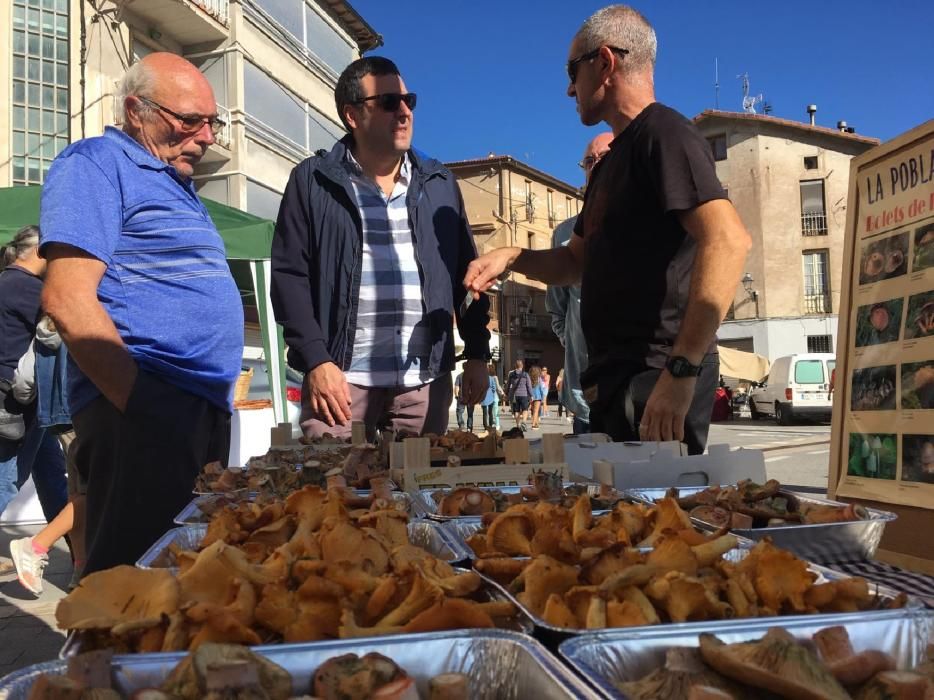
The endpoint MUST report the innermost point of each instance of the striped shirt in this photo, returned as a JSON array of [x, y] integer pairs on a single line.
[[392, 339]]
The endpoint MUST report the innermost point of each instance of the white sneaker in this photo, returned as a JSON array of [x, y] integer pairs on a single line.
[[29, 565]]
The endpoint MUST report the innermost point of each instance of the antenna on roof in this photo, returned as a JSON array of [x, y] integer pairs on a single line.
[[716, 81], [749, 101]]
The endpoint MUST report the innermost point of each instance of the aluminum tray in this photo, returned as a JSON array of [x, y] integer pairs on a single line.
[[423, 533], [193, 515], [551, 633], [609, 657], [824, 544], [501, 664], [430, 506]]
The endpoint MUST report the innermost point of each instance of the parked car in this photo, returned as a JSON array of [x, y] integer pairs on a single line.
[[259, 389], [798, 386]]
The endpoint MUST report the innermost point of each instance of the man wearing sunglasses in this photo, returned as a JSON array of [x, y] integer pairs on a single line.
[[658, 248], [370, 248], [140, 291]]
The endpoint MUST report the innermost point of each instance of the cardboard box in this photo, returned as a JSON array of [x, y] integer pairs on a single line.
[[580, 455], [663, 469], [417, 478]]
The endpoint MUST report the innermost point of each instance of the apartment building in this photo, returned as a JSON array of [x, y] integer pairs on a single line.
[[273, 65], [511, 203], [789, 182]]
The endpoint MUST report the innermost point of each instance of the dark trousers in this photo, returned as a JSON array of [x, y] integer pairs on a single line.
[[460, 416], [141, 465], [621, 400]]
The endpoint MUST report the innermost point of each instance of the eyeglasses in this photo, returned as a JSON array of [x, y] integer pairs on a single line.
[[590, 161], [390, 101], [190, 122], [590, 55]]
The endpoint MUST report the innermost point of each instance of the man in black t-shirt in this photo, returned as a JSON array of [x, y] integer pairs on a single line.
[[658, 248]]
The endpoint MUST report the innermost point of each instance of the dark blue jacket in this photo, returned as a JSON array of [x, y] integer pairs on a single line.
[[317, 255]]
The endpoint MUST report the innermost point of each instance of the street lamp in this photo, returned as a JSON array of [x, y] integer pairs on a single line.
[[752, 293]]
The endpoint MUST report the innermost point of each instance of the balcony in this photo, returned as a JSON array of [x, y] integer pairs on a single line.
[[817, 303], [814, 223], [187, 21], [530, 324]]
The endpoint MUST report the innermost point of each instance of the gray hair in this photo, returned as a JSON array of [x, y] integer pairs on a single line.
[[139, 80], [625, 28], [22, 244]]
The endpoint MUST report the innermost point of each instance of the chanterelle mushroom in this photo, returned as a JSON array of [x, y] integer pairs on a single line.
[[683, 670]]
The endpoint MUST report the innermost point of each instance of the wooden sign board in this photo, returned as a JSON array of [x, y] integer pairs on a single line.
[[882, 441]]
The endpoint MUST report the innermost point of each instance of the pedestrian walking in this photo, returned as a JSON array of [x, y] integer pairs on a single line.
[[519, 393]]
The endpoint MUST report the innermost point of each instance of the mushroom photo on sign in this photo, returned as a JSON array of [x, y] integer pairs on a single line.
[[879, 323], [918, 385], [873, 455], [873, 389], [924, 248], [918, 458], [919, 322], [884, 259]]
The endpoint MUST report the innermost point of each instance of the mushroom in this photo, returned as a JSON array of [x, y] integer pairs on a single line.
[[848, 667], [683, 670], [776, 663]]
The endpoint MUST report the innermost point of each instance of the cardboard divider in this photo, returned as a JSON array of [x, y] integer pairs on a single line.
[[661, 470]]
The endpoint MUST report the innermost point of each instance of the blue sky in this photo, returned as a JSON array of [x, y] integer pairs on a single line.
[[490, 75]]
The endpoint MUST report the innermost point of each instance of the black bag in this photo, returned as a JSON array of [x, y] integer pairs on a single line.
[[12, 420]]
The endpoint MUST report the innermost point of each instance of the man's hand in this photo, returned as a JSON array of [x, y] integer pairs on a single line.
[[483, 271], [329, 395], [666, 408], [475, 383]]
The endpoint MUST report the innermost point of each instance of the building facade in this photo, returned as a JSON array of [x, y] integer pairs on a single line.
[[273, 65], [511, 203], [789, 181]]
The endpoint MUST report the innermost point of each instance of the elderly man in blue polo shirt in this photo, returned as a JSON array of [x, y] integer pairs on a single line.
[[140, 290]]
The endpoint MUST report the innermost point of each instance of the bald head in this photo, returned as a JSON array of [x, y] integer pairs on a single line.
[[596, 149], [163, 97]]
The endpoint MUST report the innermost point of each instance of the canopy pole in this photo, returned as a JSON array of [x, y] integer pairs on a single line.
[[273, 342]]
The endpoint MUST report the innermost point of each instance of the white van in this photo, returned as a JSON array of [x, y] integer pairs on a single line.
[[797, 386]]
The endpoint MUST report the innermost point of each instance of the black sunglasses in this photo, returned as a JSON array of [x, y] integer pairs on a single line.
[[390, 101], [590, 55], [190, 122]]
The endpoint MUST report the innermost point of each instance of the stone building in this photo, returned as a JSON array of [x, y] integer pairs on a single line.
[[789, 182], [511, 203]]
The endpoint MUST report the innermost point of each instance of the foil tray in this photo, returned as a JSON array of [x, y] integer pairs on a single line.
[[429, 506], [501, 664], [826, 543], [608, 657], [422, 533], [193, 515], [883, 593]]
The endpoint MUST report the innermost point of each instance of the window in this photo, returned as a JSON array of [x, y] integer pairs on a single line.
[[718, 146], [810, 162], [813, 218], [816, 282], [809, 372], [551, 209], [820, 343], [40, 88], [262, 201], [272, 104], [529, 204], [311, 30]]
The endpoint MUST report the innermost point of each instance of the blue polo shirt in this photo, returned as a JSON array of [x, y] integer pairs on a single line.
[[167, 285]]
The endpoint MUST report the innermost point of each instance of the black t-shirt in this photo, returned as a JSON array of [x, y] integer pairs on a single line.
[[20, 293], [635, 284]]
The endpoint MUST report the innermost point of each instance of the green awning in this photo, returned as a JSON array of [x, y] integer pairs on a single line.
[[246, 237]]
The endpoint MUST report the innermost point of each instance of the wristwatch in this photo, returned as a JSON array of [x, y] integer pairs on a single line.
[[680, 367]]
